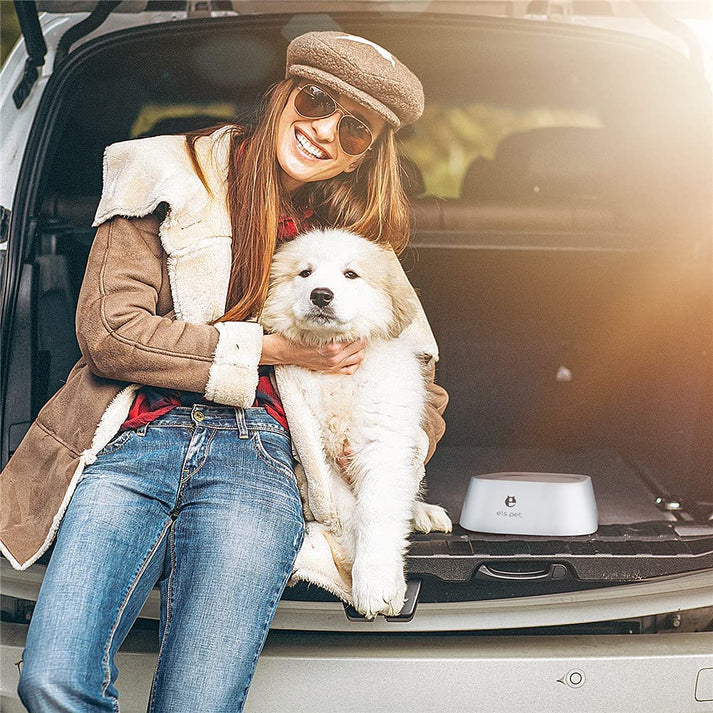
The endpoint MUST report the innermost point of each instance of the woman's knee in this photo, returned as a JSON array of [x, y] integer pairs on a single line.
[[279, 541], [47, 687], [53, 680], [40, 688]]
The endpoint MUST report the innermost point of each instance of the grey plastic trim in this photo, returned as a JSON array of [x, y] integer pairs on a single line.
[[655, 596]]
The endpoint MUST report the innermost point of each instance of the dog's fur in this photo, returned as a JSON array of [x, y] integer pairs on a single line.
[[377, 411]]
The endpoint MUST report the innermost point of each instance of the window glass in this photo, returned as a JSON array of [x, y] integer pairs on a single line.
[[154, 119], [448, 138]]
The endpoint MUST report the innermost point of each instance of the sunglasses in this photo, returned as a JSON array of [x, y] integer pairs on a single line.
[[312, 102]]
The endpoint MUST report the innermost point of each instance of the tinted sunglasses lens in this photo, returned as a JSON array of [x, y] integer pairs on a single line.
[[354, 136], [313, 103]]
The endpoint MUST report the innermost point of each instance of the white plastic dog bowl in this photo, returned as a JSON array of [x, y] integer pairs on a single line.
[[555, 504]]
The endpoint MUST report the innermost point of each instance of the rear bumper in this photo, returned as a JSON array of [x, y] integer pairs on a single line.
[[410, 673]]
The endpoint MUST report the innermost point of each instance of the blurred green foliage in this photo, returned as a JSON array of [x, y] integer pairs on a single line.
[[447, 139], [151, 114], [9, 28]]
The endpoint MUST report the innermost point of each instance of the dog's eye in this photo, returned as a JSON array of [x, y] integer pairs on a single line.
[[350, 275], [306, 273]]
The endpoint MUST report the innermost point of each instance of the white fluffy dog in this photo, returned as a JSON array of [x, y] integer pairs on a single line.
[[335, 286]]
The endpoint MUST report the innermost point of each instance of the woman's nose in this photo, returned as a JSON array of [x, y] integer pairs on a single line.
[[326, 129]]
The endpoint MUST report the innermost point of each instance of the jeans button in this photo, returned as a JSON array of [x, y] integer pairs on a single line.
[[198, 415]]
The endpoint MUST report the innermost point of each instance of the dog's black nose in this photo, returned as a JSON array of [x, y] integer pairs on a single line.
[[321, 296]]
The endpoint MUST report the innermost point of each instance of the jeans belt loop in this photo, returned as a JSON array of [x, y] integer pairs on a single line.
[[242, 425]]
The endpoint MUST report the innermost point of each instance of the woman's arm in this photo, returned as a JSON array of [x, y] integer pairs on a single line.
[[121, 336]]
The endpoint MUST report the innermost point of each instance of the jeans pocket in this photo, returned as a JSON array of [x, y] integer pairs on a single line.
[[274, 450], [117, 442]]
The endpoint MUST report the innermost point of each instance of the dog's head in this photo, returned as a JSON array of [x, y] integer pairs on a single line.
[[333, 285]]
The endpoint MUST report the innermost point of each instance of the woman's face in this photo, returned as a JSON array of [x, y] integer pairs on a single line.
[[309, 150]]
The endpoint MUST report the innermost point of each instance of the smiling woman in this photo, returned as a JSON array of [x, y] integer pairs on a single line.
[[178, 450], [296, 166]]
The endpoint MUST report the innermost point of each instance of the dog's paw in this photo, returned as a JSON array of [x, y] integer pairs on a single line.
[[378, 589], [430, 518]]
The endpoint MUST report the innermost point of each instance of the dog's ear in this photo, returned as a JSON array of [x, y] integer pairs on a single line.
[[403, 308]]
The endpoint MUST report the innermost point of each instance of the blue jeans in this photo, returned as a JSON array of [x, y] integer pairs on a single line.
[[204, 502]]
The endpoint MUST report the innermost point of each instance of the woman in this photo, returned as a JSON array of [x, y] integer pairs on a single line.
[[166, 455]]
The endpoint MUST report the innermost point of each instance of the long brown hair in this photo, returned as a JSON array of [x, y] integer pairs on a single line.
[[369, 201]]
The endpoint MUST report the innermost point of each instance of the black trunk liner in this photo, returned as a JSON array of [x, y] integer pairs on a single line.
[[635, 539]]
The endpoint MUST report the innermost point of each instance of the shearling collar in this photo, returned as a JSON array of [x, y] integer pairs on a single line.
[[196, 233]]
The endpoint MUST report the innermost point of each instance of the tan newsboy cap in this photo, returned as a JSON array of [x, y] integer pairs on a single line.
[[361, 70]]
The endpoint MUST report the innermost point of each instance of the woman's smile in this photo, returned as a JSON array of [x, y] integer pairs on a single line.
[[309, 147]]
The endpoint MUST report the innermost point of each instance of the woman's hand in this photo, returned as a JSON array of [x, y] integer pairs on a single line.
[[332, 358]]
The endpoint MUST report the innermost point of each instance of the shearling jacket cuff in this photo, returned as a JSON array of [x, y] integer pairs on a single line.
[[233, 376]]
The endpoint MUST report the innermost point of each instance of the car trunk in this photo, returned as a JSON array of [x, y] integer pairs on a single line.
[[579, 361], [567, 277]]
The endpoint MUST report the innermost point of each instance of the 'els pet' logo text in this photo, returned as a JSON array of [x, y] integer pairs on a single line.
[[510, 501]]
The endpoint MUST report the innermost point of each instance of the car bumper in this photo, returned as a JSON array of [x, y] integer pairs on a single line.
[[362, 673]]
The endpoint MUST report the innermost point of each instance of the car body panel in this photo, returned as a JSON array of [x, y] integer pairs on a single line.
[[16, 122], [326, 673]]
